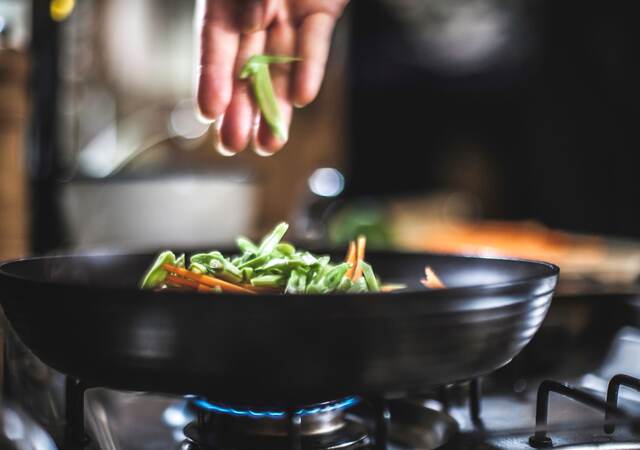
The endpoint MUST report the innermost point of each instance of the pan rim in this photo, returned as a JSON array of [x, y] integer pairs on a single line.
[[549, 271]]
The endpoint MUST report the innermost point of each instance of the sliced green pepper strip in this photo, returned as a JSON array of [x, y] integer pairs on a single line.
[[335, 275], [180, 261], [198, 268], [156, 275], [358, 286], [292, 283], [274, 281], [246, 246], [286, 249], [222, 267], [344, 285], [308, 259], [324, 260], [302, 282], [370, 277], [247, 274], [257, 69], [255, 262], [270, 241]]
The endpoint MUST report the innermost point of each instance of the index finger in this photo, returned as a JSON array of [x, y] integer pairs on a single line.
[[219, 47]]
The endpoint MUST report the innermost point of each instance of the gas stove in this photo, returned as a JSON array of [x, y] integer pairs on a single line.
[[575, 387]]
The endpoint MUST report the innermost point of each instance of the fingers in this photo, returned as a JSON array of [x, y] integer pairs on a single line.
[[280, 41], [238, 122], [219, 49], [314, 41], [255, 15], [250, 15], [232, 31]]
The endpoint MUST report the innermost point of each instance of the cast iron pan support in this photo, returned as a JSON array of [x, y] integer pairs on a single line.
[[612, 397], [382, 418], [475, 393], [75, 436], [475, 397], [295, 430], [540, 438]]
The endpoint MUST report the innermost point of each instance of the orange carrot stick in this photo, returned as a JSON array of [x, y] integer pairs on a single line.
[[362, 242], [262, 289], [351, 259], [181, 282], [431, 280], [205, 288], [392, 287], [207, 280]]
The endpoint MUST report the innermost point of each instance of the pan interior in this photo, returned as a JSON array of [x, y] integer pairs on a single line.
[[124, 271]]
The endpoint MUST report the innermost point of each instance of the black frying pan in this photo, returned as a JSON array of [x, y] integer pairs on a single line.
[[84, 316]]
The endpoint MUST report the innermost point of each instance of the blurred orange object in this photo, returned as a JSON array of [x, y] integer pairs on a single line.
[[514, 239], [13, 183], [446, 223]]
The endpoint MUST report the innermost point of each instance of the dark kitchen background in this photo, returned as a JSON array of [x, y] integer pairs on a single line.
[[516, 116], [440, 125], [477, 126], [530, 106]]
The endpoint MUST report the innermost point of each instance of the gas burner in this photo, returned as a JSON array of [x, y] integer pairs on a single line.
[[320, 426], [339, 405]]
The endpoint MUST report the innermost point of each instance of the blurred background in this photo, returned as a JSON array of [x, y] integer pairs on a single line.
[[476, 126]]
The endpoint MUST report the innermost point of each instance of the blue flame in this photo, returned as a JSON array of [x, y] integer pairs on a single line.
[[317, 409]]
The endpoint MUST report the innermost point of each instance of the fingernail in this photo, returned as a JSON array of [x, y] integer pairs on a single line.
[[262, 152], [224, 151], [200, 117], [298, 105], [217, 139]]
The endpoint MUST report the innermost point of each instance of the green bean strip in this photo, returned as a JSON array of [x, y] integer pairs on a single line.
[[245, 245], [270, 264], [292, 284], [369, 277], [156, 274], [274, 281], [257, 70], [270, 242]]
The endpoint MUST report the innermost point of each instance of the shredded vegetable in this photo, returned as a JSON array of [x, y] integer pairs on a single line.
[[256, 69], [271, 267]]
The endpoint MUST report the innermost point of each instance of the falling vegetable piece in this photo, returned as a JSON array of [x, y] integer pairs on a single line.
[[257, 70], [431, 280]]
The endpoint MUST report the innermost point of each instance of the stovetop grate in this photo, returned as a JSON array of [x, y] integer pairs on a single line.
[[377, 410]]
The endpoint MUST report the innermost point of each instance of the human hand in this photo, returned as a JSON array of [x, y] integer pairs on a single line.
[[235, 30]]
